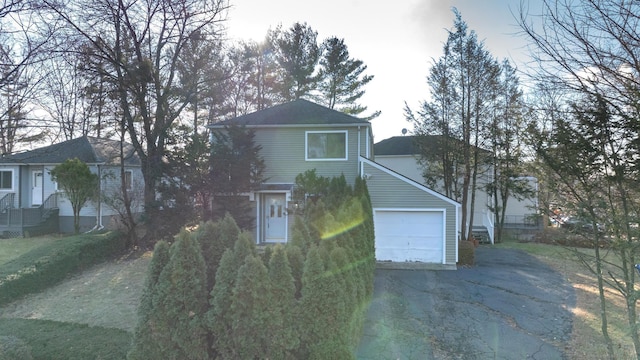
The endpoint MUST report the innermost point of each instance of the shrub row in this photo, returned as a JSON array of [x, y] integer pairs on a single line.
[[23, 339], [212, 294], [47, 265]]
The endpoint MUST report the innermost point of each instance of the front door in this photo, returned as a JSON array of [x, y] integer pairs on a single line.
[[275, 218], [36, 183]]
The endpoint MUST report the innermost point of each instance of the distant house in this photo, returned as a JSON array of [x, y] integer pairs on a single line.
[[412, 222], [31, 203], [401, 154]]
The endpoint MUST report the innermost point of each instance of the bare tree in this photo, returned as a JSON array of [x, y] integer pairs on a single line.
[[589, 51], [138, 47]]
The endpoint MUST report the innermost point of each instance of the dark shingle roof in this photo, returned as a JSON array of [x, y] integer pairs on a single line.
[[397, 145], [408, 145], [87, 149], [297, 112]]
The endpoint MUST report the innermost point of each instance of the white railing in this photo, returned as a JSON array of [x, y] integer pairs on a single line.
[[487, 221]]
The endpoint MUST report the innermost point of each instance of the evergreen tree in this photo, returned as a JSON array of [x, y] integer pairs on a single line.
[[237, 169], [342, 78], [322, 310], [463, 83], [296, 262], [284, 334], [219, 320], [145, 344], [251, 311], [215, 238], [181, 302], [297, 53]]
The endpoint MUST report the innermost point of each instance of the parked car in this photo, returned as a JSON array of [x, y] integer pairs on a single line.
[[577, 224]]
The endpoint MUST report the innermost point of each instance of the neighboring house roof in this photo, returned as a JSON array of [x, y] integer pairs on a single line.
[[297, 112], [409, 145], [89, 150], [397, 145]]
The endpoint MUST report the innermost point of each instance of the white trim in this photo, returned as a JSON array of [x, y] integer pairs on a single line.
[[444, 225], [13, 180], [222, 127], [259, 199], [368, 147], [346, 144]]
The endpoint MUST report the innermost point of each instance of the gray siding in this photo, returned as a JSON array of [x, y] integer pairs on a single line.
[[387, 191], [283, 150]]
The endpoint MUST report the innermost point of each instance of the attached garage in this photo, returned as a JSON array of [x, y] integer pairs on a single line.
[[412, 222], [409, 235]]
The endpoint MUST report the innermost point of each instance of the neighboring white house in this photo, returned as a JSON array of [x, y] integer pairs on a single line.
[[30, 201]]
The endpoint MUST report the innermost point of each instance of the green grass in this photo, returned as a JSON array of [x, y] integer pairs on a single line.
[[12, 248], [53, 340]]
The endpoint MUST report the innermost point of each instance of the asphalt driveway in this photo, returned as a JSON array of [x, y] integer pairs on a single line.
[[508, 306]]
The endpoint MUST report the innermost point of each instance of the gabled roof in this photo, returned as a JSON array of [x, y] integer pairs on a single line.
[[297, 112], [410, 145], [89, 150], [397, 145]]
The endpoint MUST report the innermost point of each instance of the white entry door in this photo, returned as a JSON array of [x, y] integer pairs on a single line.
[[36, 183], [275, 218]]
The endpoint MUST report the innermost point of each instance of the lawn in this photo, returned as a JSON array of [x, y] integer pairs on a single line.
[[14, 247], [102, 302]]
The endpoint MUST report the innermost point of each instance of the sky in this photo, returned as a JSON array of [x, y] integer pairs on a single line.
[[398, 41]]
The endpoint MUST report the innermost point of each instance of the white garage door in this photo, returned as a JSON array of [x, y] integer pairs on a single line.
[[409, 235]]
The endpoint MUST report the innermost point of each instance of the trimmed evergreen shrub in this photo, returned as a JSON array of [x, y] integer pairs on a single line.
[[145, 345], [13, 348], [180, 302], [296, 262], [282, 325], [219, 316], [215, 238], [250, 311]]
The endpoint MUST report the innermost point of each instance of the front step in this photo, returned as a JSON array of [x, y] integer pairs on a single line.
[[481, 234]]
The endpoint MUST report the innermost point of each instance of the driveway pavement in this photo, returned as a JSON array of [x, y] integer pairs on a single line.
[[508, 306]]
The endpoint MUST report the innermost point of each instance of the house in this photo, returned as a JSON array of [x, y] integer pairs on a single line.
[[412, 223], [400, 153], [31, 203]]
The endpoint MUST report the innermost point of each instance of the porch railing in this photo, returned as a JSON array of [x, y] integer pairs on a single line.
[[6, 202], [29, 216]]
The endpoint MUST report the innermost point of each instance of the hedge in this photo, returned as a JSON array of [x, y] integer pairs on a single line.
[[49, 264], [53, 340]]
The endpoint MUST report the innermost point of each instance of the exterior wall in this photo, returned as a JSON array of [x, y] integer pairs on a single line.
[[283, 151], [15, 183], [408, 166], [387, 191]]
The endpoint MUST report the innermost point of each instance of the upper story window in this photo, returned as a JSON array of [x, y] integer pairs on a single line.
[[326, 145], [6, 179]]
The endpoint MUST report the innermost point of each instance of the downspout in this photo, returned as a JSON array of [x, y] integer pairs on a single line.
[[98, 225], [360, 172]]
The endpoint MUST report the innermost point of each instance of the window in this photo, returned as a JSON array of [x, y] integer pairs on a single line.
[[6, 179], [326, 145], [127, 179]]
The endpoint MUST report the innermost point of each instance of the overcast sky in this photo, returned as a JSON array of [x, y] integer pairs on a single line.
[[397, 40]]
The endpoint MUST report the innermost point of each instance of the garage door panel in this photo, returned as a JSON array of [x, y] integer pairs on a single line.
[[409, 235]]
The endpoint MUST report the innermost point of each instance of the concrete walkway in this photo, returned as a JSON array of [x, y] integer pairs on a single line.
[[508, 306]]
